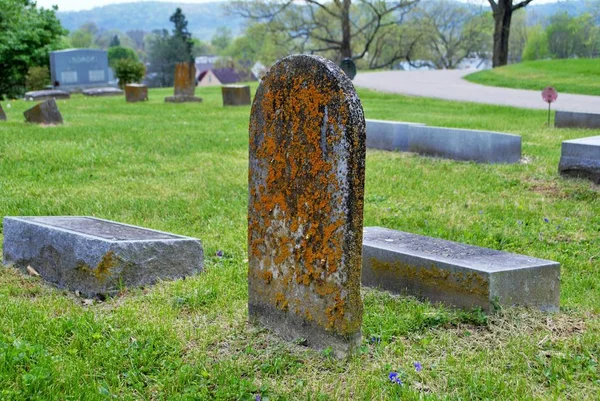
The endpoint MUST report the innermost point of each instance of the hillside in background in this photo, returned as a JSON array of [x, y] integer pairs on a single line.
[[204, 19]]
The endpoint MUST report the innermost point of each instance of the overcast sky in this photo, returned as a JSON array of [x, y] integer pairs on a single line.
[[76, 5]]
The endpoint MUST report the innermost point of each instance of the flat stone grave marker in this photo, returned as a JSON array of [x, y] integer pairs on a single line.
[[44, 113], [185, 84], [47, 95], [95, 256], [306, 183], [236, 95], [456, 274], [2, 114], [570, 119], [581, 158], [106, 91], [388, 135], [136, 93]]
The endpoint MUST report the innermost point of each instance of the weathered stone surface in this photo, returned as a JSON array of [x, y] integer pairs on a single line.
[[236, 95], [463, 144], [44, 113], [581, 158], [306, 182], [97, 256], [106, 91], [570, 119], [456, 274], [47, 95], [136, 93], [388, 135], [76, 69], [185, 84], [2, 114]]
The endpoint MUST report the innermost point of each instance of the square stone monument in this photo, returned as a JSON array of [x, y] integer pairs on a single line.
[[305, 213], [185, 84], [75, 69], [581, 158]]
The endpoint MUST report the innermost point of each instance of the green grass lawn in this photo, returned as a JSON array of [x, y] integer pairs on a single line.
[[183, 168], [580, 76]]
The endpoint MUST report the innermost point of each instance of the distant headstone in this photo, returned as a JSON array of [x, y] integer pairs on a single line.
[[46, 94], [97, 257], [185, 84], [136, 93], [306, 183], [349, 67], [235, 95], [74, 69], [106, 91], [459, 275], [581, 158], [570, 119], [44, 113], [2, 114]]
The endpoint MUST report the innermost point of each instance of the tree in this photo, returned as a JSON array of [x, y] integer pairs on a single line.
[[181, 33], [503, 10], [129, 71], [339, 28], [115, 41], [518, 36], [221, 39], [117, 53], [536, 47], [27, 35]]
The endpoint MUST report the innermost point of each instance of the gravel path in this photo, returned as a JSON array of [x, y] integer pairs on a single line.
[[449, 85]]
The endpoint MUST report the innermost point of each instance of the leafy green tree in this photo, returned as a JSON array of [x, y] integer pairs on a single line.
[[117, 53], [536, 47], [129, 71], [115, 41], [221, 39], [37, 78], [180, 32], [81, 39], [27, 35]]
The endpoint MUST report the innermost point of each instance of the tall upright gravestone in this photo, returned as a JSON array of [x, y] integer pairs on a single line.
[[305, 214], [185, 84]]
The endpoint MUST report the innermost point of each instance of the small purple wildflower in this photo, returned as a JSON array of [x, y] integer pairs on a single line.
[[257, 397], [395, 378], [418, 366], [546, 220], [220, 253]]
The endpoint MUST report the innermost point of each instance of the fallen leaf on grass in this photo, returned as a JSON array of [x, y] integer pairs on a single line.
[[32, 272]]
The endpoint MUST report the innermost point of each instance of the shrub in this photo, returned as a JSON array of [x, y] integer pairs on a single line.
[[37, 78], [129, 71], [117, 53]]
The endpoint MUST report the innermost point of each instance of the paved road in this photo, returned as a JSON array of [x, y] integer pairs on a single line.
[[447, 84]]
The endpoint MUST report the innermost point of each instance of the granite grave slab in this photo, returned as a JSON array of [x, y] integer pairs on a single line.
[[388, 135], [97, 257], [570, 119], [306, 185], [581, 158], [455, 274], [46, 113], [235, 95], [104, 91], [47, 94]]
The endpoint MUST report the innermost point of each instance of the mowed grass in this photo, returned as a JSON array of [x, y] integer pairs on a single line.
[[581, 76], [183, 168]]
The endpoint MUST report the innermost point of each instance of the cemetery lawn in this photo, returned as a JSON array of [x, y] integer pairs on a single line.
[[182, 168], [581, 76]]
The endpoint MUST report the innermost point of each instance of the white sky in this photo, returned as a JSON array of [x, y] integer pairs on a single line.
[[76, 5]]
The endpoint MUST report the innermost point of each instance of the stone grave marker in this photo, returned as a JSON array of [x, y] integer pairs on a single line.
[[185, 84], [235, 95], [349, 67], [2, 114], [306, 184], [95, 256], [581, 158], [47, 95], [74, 69], [44, 113], [136, 93], [105, 91], [570, 119]]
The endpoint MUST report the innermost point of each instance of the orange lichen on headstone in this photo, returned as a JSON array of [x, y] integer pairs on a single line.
[[185, 84], [306, 183]]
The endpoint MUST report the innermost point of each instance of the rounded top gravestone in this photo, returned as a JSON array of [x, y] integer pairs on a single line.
[[349, 67], [306, 183]]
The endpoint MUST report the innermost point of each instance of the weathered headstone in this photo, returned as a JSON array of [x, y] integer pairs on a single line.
[[74, 69], [136, 93], [235, 95], [44, 113], [185, 84], [581, 158], [2, 114], [349, 67], [105, 91], [456, 274], [306, 183], [47, 95], [570, 119], [97, 257]]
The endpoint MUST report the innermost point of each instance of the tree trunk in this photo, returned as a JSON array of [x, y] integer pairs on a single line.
[[502, 17], [346, 49]]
